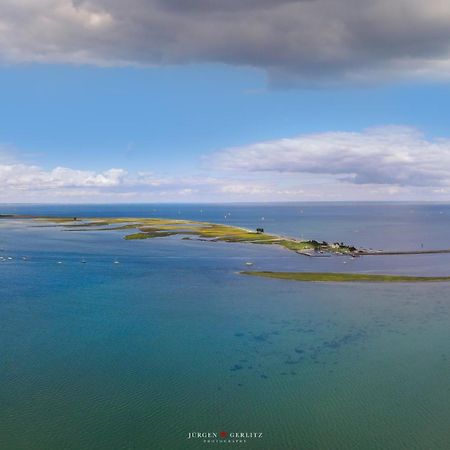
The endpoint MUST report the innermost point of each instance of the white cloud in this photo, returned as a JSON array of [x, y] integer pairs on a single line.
[[390, 163], [269, 188], [24, 182], [24, 177], [396, 156], [314, 41]]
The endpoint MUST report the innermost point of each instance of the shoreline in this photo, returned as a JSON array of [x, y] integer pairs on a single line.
[[151, 228], [148, 228]]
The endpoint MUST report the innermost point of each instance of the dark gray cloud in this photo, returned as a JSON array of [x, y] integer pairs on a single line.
[[218, 6], [313, 41]]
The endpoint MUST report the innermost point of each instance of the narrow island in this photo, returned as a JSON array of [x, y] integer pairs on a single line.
[[332, 277], [151, 228]]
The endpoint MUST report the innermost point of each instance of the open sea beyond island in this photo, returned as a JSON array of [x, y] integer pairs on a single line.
[[109, 343]]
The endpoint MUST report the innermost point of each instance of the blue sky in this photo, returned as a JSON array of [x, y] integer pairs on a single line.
[[166, 129]]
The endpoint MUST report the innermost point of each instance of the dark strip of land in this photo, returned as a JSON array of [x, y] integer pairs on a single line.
[[332, 277], [402, 252]]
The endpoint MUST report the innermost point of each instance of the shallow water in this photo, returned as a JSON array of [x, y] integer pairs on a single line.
[[172, 340]]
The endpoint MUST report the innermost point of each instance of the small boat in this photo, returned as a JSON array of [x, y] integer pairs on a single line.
[[59, 262], [248, 263], [83, 261], [116, 262]]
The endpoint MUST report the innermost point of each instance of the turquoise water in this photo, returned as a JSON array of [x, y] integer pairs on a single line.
[[172, 340]]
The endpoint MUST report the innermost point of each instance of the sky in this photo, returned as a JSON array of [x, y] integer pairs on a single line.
[[213, 101]]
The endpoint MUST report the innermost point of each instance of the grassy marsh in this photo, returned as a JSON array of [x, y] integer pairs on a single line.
[[332, 277], [150, 228]]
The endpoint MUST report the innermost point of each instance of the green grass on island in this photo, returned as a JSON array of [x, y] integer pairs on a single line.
[[150, 228], [332, 277]]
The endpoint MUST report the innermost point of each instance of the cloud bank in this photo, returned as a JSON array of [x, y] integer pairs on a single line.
[[394, 156], [21, 182], [23, 177], [397, 163], [312, 41]]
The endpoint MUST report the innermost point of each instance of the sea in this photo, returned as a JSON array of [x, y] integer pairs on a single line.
[[154, 344]]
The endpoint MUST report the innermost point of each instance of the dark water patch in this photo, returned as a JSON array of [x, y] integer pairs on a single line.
[[236, 367], [262, 337], [303, 330], [293, 361], [346, 339], [393, 331]]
